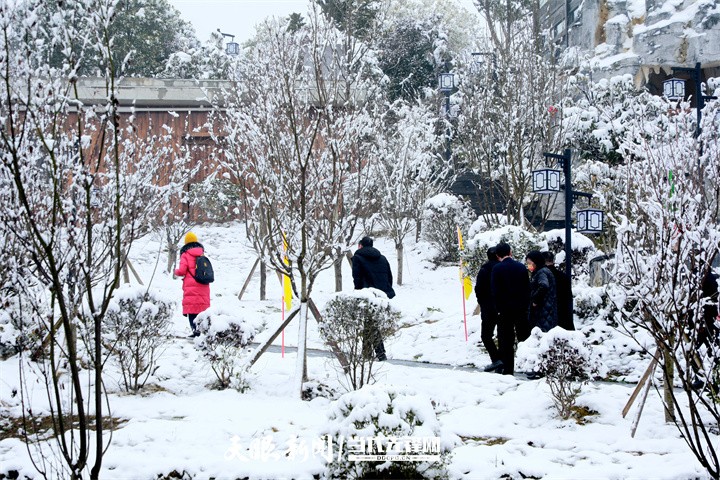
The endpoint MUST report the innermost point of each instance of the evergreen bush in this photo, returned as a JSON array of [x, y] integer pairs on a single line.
[[520, 240], [442, 216]]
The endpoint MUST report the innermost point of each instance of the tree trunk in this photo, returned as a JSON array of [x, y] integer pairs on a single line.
[[300, 363], [172, 257], [400, 249], [337, 265], [263, 280], [668, 376]]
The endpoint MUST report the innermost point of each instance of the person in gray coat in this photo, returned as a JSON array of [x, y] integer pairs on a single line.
[[543, 293]]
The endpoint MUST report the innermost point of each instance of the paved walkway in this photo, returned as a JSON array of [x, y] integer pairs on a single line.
[[315, 352]]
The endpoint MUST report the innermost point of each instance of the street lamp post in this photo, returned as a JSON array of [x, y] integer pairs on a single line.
[[695, 74], [447, 83], [565, 163], [589, 220]]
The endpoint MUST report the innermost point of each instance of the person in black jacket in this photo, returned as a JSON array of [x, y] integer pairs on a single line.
[[371, 269], [510, 288], [488, 312], [543, 293], [707, 331], [564, 289]]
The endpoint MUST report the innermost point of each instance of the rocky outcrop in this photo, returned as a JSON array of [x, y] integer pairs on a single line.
[[637, 36]]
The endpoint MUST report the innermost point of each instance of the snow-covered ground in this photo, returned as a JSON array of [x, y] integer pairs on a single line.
[[501, 426]]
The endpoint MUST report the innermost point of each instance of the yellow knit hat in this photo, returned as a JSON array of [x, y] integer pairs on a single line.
[[190, 237]]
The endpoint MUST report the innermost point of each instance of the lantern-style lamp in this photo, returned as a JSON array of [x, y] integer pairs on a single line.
[[546, 180], [674, 89], [447, 82], [590, 220], [232, 47]]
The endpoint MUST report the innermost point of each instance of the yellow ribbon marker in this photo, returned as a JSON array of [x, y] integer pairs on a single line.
[[287, 284], [464, 281]]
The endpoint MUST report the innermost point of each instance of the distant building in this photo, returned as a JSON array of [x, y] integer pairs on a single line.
[[162, 107]]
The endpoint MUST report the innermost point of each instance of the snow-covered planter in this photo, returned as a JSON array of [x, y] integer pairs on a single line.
[[385, 421], [223, 338], [565, 359], [442, 216], [135, 332], [353, 323]]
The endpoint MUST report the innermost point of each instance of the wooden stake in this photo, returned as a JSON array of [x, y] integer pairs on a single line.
[[247, 280], [636, 421], [641, 383], [264, 346], [134, 272]]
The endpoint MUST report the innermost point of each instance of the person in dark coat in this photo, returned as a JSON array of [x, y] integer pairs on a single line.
[[488, 312], [708, 330], [564, 290], [543, 293], [196, 296], [371, 269], [510, 288]]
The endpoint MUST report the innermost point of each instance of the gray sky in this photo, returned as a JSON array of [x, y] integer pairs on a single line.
[[236, 17]]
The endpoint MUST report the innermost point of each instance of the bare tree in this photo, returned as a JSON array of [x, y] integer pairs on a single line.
[[408, 172], [506, 104], [296, 139], [78, 185], [668, 231]]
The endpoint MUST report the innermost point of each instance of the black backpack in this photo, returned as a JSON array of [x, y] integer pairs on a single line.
[[204, 271]]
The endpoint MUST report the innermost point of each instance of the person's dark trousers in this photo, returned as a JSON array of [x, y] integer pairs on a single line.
[[373, 334], [488, 322], [522, 326], [380, 351], [191, 318], [506, 343]]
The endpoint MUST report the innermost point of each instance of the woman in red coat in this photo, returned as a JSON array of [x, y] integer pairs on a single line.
[[196, 296]]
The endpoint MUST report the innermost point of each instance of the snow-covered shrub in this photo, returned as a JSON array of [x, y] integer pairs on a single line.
[[565, 359], [583, 249], [353, 323], [442, 216], [16, 334], [520, 240], [589, 301], [135, 331], [223, 337], [385, 420], [312, 390]]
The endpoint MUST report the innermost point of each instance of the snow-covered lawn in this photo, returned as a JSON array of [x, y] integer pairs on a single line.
[[501, 427]]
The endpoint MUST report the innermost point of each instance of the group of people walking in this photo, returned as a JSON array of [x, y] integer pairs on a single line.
[[510, 299], [515, 301], [370, 269]]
